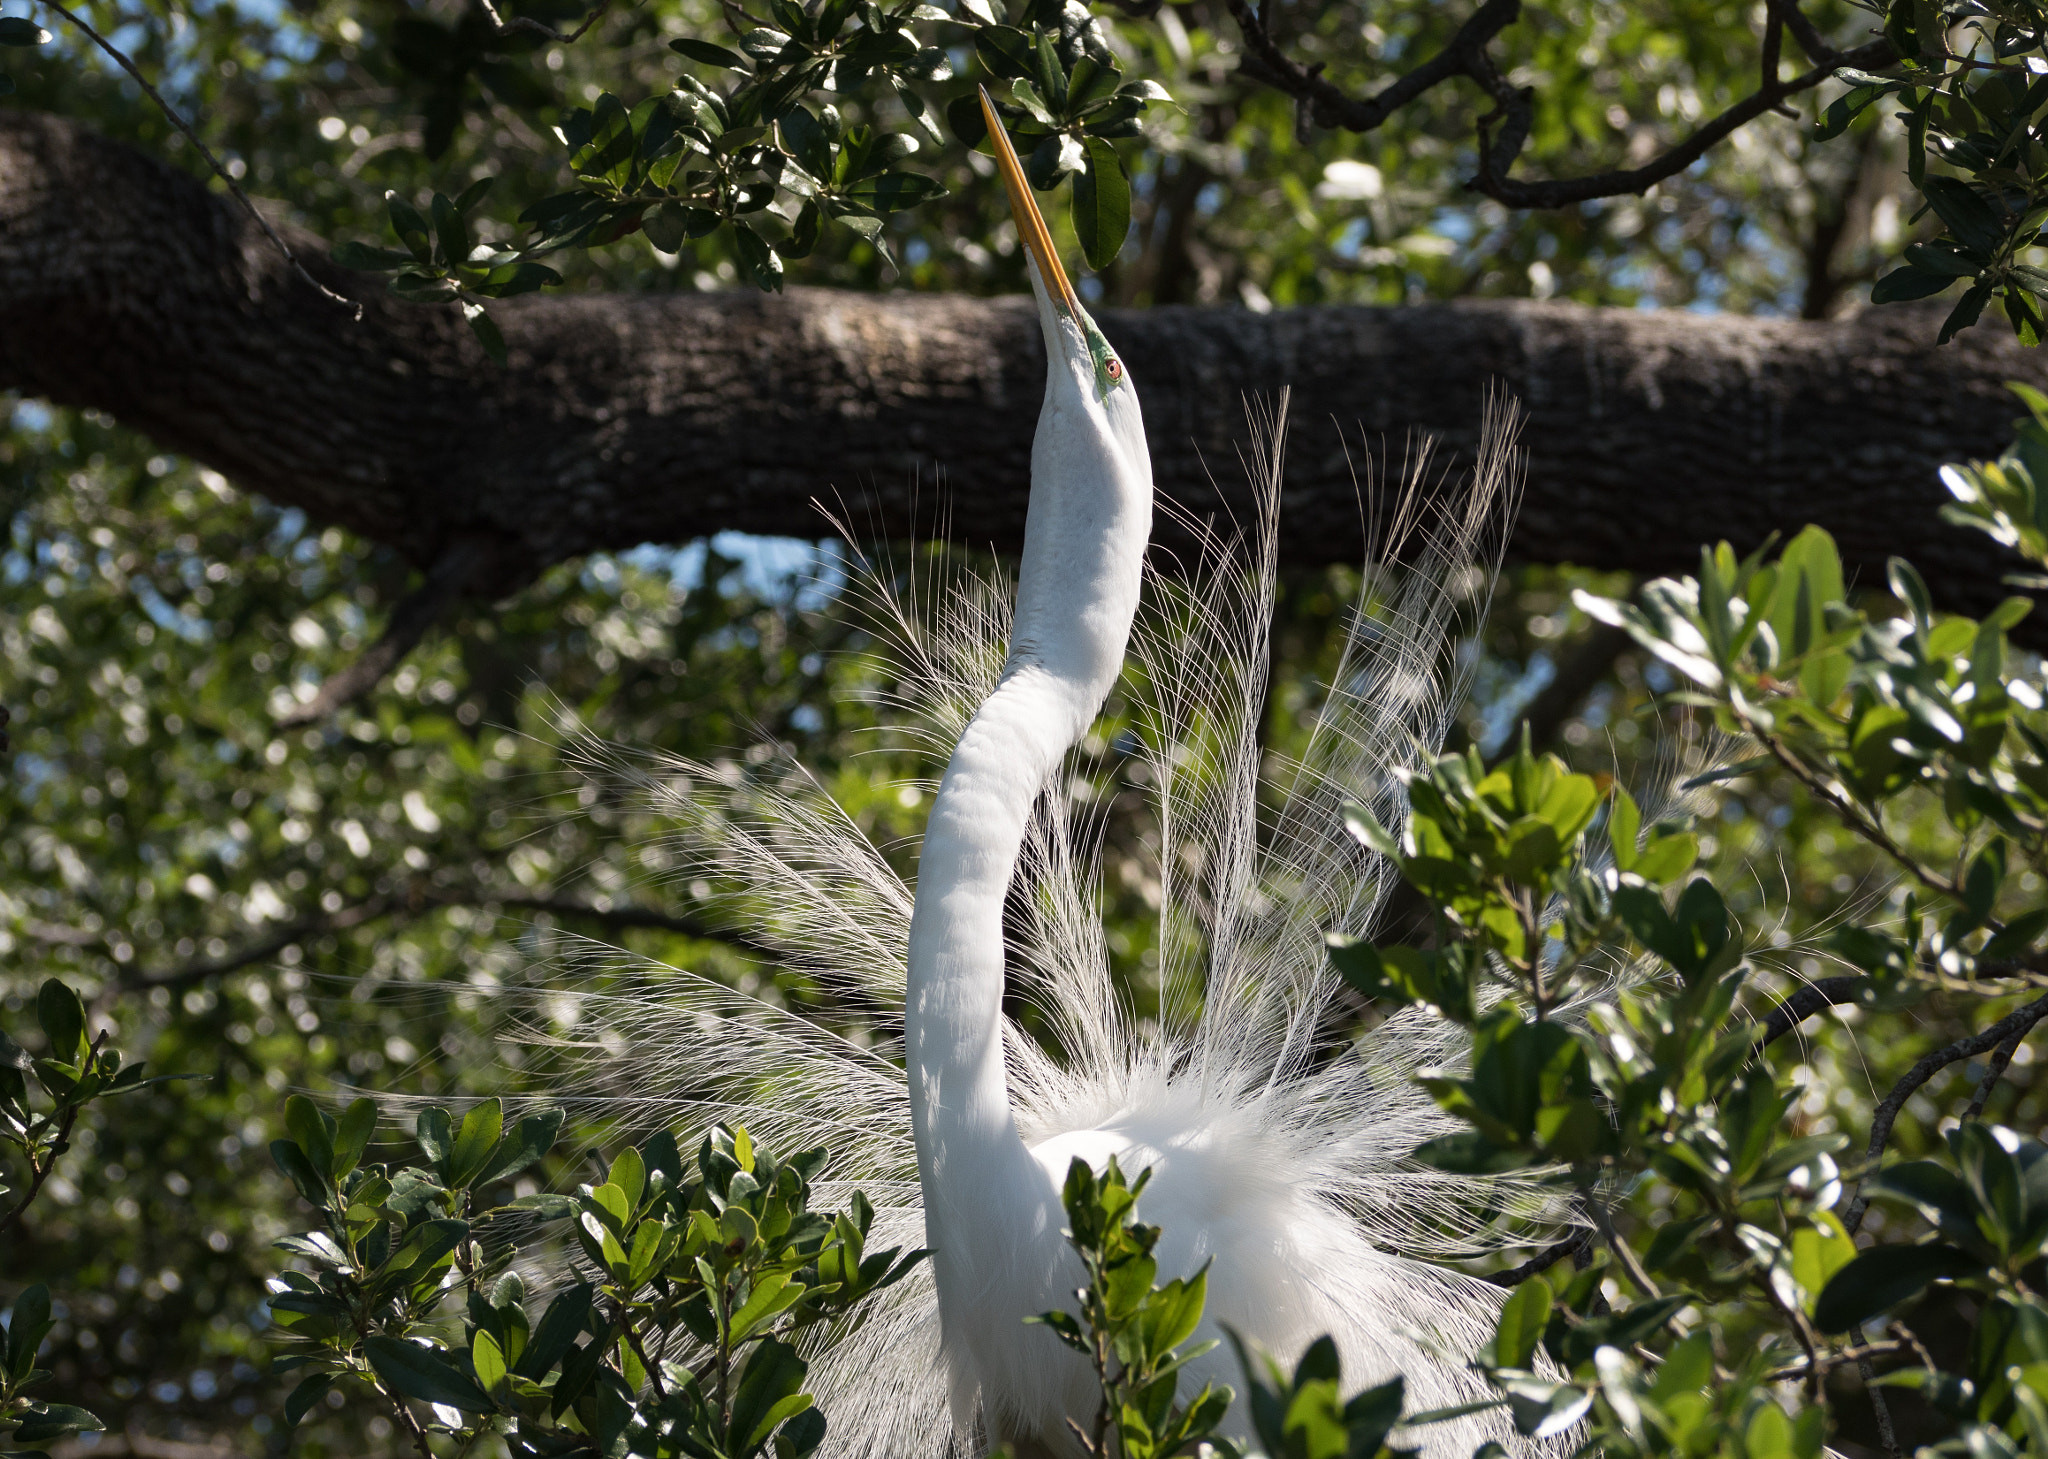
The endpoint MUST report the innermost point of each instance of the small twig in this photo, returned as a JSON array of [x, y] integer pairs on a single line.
[[57, 1147], [1886, 1434], [412, 1424], [1503, 131], [1799, 1372], [2000, 1057], [1865, 826], [221, 172], [633, 1340], [501, 26], [419, 610], [1887, 1112], [1803, 1003], [1623, 1253], [1330, 107], [1543, 1260]]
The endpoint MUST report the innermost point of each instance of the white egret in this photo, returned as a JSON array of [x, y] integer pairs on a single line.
[[1281, 1155]]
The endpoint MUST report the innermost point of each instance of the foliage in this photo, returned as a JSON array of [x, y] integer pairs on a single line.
[[1968, 81], [328, 106], [70, 1074], [1132, 1329], [1602, 990], [722, 1268], [755, 154], [19, 33]]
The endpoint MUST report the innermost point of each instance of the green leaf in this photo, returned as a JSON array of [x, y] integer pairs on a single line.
[[1667, 858], [485, 329], [556, 1332], [301, 1400], [27, 1325], [352, 1136], [450, 230], [629, 1174], [530, 1139], [310, 1181], [963, 115], [1005, 51], [421, 1373], [411, 228], [488, 1359], [62, 1016], [709, 54], [762, 264], [54, 1421], [1883, 1277], [894, 192], [433, 1129], [1977, 225], [1522, 1320], [774, 1374], [476, 1143], [1966, 311], [1909, 282], [1624, 824], [368, 258]]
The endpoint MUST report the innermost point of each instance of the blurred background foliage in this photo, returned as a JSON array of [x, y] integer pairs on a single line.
[[329, 906]]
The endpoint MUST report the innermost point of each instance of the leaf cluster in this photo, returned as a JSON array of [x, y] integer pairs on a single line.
[[676, 1340], [1611, 1089], [1131, 1327], [20, 33], [41, 1097], [761, 149], [1971, 103]]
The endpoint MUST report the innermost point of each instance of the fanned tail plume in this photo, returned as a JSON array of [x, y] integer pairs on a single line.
[[1253, 868]]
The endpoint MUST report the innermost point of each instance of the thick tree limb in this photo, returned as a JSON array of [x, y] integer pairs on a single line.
[[126, 287]]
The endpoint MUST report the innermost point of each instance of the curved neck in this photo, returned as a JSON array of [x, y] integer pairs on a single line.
[[1077, 592], [953, 1018]]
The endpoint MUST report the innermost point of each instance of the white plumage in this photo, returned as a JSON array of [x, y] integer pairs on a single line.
[[1279, 1153]]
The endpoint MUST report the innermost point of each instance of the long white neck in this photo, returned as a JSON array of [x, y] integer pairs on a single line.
[[1084, 543]]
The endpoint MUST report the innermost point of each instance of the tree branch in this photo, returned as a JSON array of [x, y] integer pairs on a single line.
[[466, 559], [412, 901], [2013, 1025], [523, 24], [128, 288], [1803, 1003], [1503, 131], [1580, 1240], [1330, 107], [1494, 182], [121, 59]]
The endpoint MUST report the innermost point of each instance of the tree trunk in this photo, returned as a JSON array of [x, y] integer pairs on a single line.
[[127, 287]]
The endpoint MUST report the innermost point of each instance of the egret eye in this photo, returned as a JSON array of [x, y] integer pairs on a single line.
[[1115, 368]]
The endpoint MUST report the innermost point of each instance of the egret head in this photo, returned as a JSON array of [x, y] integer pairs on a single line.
[[1083, 373]]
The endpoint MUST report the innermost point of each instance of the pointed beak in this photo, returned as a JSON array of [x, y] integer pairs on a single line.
[[1030, 222]]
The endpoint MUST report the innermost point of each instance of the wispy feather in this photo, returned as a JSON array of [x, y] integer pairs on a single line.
[[1254, 868]]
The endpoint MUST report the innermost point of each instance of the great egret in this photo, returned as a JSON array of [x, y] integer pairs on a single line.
[[1282, 1157]]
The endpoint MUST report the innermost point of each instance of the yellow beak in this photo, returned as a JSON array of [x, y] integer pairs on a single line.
[[1030, 222]]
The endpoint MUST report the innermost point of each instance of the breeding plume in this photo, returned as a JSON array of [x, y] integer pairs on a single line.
[[1278, 1150]]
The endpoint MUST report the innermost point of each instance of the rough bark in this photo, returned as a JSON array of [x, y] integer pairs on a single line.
[[126, 286]]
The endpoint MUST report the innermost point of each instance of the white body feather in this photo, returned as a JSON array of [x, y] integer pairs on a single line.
[[1281, 1158]]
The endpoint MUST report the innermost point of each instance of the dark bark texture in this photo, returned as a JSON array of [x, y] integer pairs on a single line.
[[127, 287]]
